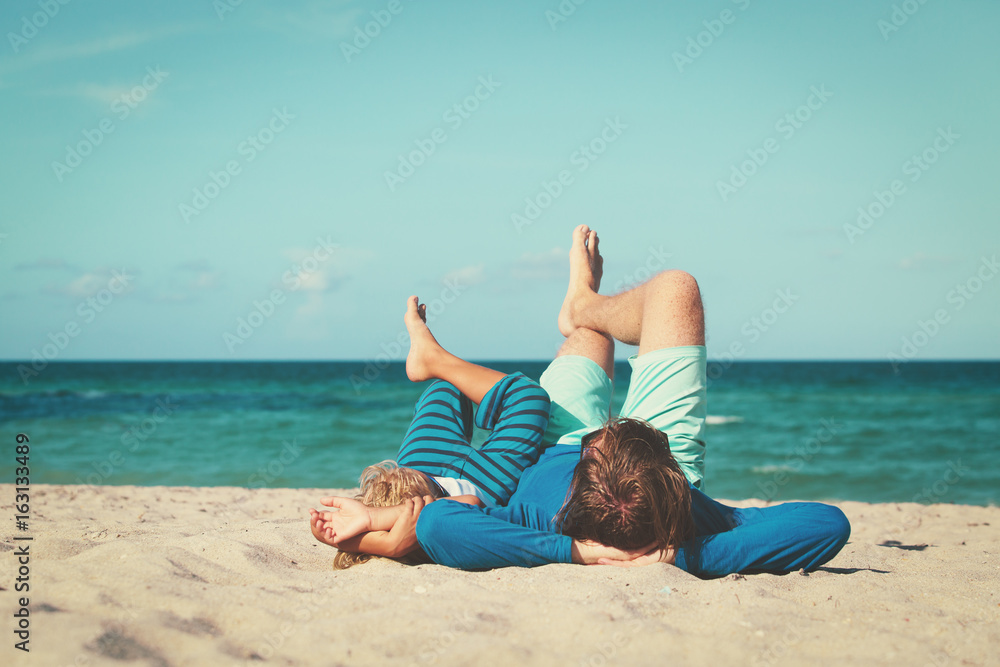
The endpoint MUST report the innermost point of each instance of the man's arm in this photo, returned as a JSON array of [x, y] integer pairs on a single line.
[[474, 538], [471, 538], [779, 539]]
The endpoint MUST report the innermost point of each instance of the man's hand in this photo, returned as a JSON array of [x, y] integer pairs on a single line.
[[586, 552], [655, 555], [402, 539]]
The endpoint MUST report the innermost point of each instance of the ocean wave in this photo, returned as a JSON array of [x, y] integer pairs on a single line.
[[86, 394], [770, 470], [63, 393], [716, 420]]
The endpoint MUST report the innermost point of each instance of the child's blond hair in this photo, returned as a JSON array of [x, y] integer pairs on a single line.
[[383, 485]]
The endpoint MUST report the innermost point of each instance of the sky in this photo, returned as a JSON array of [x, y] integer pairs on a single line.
[[246, 180]]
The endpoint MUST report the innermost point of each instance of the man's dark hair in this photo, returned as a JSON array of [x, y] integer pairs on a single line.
[[627, 490]]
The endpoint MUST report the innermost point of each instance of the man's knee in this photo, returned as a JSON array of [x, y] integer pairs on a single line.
[[675, 280], [676, 287]]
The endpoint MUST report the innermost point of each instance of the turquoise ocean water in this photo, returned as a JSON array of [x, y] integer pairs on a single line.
[[777, 430]]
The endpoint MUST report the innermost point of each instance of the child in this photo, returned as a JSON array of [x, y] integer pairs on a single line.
[[436, 460]]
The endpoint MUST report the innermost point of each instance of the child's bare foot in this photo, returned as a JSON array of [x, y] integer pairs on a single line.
[[424, 348], [586, 266], [319, 528]]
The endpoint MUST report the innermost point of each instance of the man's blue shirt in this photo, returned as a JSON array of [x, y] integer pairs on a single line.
[[780, 538]]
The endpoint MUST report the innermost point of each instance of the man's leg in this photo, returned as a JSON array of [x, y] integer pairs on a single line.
[[665, 318], [599, 348], [579, 384], [579, 379], [665, 311]]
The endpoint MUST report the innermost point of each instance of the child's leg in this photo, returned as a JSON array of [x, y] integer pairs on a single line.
[[516, 411], [440, 430], [427, 360], [513, 407]]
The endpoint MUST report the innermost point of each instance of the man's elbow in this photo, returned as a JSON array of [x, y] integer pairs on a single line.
[[839, 527], [832, 530]]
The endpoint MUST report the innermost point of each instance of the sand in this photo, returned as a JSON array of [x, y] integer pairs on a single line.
[[218, 576]]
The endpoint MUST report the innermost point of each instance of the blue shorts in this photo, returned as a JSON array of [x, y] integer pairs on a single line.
[[667, 389]]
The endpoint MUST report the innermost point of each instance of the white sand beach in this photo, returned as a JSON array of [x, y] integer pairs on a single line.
[[224, 575]]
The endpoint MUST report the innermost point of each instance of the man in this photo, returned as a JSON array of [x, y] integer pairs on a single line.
[[626, 489]]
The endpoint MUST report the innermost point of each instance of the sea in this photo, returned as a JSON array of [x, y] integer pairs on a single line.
[[926, 432]]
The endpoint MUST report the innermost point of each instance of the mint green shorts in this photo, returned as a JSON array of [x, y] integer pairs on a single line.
[[667, 389]]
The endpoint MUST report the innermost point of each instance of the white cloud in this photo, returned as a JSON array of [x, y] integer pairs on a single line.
[[317, 281], [550, 265], [205, 281], [320, 19], [103, 94], [921, 261], [467, 275], [46, 264], [171, 297], [186, 281], [309, 322], [86, 285], [195, 265], [319, 270], [197, 275], [34, 55], [90, 283]]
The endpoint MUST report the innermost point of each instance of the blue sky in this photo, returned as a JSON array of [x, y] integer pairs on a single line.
[[213, 154]]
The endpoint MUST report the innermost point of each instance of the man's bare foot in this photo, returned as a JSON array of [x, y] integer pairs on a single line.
[[586, 266], [424, 348]]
